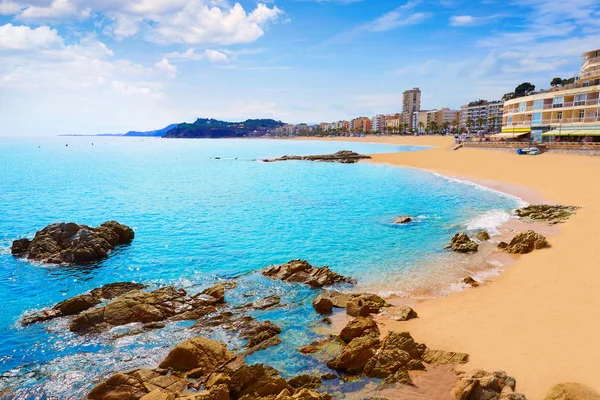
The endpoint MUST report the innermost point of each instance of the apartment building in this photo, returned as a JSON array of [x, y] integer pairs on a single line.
[[482, 115], [411, 102], [378, 123], [570, 112], [360, 124]]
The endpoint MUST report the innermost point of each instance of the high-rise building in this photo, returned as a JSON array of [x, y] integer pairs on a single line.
[[411, 102], [569, 110], [482, 115], [378, 123]]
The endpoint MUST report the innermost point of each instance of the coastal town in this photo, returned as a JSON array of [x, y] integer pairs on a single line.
[[567, 111]]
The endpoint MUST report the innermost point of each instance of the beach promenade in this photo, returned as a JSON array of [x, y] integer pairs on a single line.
[[539, 320]]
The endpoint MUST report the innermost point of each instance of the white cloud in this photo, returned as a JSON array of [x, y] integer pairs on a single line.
[[175, 21], [167, 68], [25, 38], [462, 20], [212, 56]]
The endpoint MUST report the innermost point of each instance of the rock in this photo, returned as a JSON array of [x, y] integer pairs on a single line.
[[483, 236], [396, 353], [203, 355], [547, 213], [571, 391], [20, 246], [440, 357], [69, 243], [339, 300], [355, 356], [343, 156], [400, 313], [71, 306], [482, 385], [461, 243], [217, 292], [362, 305], [502, 245], [470, 281], [264, 303], [118, 387], [402, 220], [322, 304], [82, 302], [220, 392], [305, 381], [159, 394], [359, 327], [526, 242], [259, 334], [145, 307], [113, 290], [512, 396], [301, 271]]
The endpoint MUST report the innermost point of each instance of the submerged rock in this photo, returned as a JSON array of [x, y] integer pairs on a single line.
[[571, 391], [73, 244], [525, 243], [470, 281], [343, 156], [402, 220], [483, 385], [301, 271], [547, 213], [461, 243], [483, 236]]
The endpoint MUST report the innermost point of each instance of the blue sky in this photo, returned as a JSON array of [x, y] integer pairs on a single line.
[[96, 66]]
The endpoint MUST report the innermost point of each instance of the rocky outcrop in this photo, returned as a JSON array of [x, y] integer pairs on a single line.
[[400, 313], [546, 213], [483, 236], [571, 391], [356, 304], [163, 304], [402, 220], [82, 302], [470, 281], [201, 363], [343, 156], [441, 357], [525, 243], [359, 327], [482, 385], [461, 243], [69, 243], [302, 272]]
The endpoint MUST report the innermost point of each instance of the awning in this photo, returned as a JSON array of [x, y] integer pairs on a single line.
[[509, 135], [515, 130], [573, 132]]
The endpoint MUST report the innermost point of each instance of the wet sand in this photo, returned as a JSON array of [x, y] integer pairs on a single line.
[[539, 319]]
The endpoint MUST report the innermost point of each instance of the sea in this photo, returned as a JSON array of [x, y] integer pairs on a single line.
[[207, 211]]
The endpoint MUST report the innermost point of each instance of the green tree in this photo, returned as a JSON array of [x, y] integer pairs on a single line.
[[556, 82], [480, 123], [445, 126], [492, 120], [508, 96], [470, 124], [524, 89], [421, 126]]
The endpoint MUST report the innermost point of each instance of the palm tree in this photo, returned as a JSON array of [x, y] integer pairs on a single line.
[[480, 123], [421, 126], [456, 124], [445, 126], [470, 124], [492, 120]]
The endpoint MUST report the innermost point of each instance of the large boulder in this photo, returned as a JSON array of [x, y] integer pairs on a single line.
[[461, 243], [355, 356], [82, 302], [398, 354], [203, 355], [571, 391], [546, 213], [402, 220], [363, 304], [359, 327], [144, 307], [69, 243], [323, 304], [526, 242], [120, 386], [301, 271], [400, 313], [483, 385]]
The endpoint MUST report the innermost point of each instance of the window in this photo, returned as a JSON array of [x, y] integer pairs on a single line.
[[559, 116], [538, 104], [536, 119], [557, 102], [509, 121], [580, 99], [522, 106]]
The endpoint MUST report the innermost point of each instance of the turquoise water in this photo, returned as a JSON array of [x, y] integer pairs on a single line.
[[199, 219]]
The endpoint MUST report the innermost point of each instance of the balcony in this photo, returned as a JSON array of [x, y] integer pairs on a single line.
[[590, 74], [574, 120]]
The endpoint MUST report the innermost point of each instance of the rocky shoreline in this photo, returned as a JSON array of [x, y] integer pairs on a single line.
[[201, 368], [342, 156]]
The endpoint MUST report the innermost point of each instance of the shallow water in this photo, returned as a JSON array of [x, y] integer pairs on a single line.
[[199, 219]]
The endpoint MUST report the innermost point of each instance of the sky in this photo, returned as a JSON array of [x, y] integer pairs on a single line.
[[110, 66]]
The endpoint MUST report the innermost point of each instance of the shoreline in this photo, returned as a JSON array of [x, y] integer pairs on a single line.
[[535, 319]]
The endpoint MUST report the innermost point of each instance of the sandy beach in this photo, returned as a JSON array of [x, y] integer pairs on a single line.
[[538, 320]]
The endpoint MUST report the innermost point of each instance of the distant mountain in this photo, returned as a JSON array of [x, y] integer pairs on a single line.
[[212, 128], [159, 132]]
